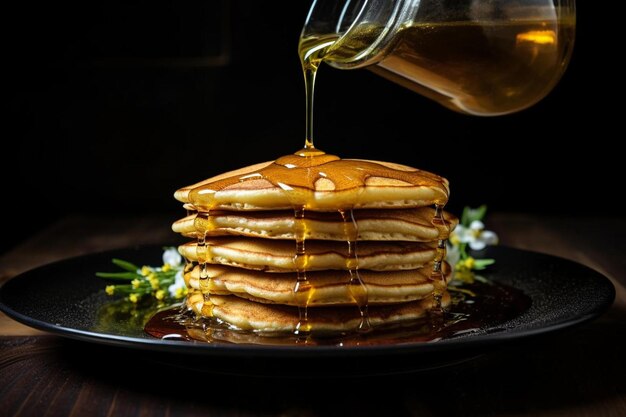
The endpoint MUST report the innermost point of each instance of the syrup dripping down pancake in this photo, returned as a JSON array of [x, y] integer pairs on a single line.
[[402, 224], [281, 319], [328, 287], [278, 255]]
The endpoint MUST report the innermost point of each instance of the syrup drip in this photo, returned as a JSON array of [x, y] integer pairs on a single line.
[[302, 288], [356, 286], [437, 277], [311, 57], [203, 254]]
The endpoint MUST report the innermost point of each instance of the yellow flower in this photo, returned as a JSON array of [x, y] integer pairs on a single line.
[[160, 295], [180, 292], [166, 267], [152, 277], [110, 289], [454, 239], [463, 270], [464, 275], [133, 298], [154, 283], [469, 263], [135, 283], [145, 271]]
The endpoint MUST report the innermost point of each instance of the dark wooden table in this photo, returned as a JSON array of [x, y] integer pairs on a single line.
[[581, 372]]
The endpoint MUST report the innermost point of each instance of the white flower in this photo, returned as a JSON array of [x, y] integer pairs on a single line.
[[172, 257], [476, 235], [178, 285]]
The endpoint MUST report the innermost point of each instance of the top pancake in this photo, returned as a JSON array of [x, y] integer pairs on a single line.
[[321, 183]]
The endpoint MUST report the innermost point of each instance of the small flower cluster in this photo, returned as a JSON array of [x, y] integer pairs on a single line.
[[470, 232], [165, 282]]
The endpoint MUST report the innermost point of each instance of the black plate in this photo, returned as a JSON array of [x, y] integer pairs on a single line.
[[67, 299]]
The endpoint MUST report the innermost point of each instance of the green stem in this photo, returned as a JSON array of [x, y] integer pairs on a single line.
[[126, 276], [125, 265]]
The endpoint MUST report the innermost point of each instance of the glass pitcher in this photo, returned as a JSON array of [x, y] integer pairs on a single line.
[[480, 57]]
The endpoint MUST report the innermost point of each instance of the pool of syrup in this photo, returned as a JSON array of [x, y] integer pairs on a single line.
[[481, 307]]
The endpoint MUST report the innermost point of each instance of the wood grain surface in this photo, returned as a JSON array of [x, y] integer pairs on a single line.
[[580, 372]]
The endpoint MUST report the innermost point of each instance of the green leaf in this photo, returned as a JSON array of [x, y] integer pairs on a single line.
[[480, 264], [482, 279], [127, 276], [125, 265], [470, 214], [465, 216], [463, 251], [124, 289]]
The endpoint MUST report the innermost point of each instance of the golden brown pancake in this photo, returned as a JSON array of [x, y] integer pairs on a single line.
[[320, 183], [402, 224], [273, 318], [329, 287], [278, 255]]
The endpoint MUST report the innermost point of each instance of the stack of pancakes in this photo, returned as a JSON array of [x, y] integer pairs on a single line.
[[315, 243]]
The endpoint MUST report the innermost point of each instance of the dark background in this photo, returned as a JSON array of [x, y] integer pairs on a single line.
[[112, 107]]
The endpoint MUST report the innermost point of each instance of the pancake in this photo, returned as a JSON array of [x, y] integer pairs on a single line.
[[320, 182], [253, 316], [403, 224], [329, 287], [278, 255]]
